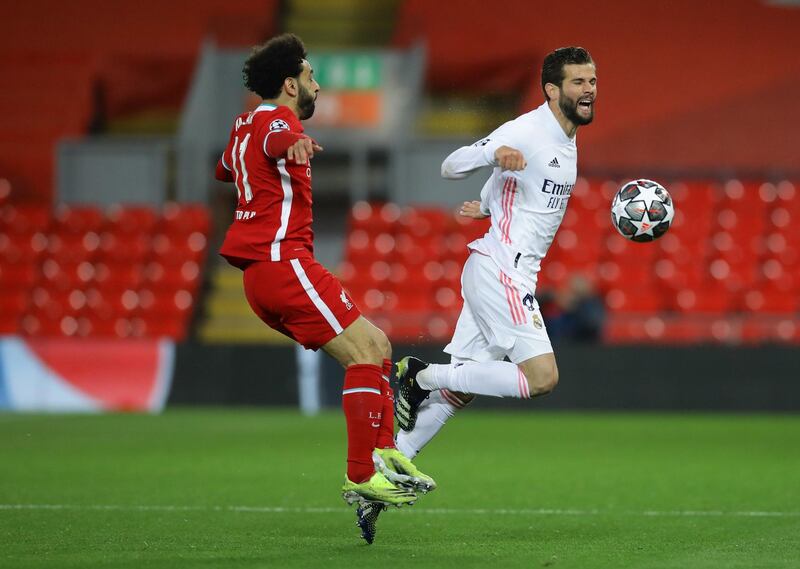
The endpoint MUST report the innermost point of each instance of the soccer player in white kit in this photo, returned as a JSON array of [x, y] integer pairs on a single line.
[[535, 168]]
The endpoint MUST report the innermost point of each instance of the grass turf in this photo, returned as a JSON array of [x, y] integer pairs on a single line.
[[259, 488]]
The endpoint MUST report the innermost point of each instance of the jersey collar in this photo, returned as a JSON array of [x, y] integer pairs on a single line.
[[553, 126]]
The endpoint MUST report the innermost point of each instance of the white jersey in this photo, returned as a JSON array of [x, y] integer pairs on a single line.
[[526, 206]]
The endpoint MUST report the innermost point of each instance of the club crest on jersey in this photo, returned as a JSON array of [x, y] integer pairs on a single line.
[[346, 301], [537, 322], [279, 124]]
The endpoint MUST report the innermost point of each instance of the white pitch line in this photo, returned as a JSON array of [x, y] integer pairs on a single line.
[[439, 511]]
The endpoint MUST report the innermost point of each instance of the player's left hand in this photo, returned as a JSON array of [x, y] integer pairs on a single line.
[[303, 150], [472, 210]]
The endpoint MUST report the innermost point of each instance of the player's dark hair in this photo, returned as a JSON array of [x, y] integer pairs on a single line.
[[554, 62], [270, 64]]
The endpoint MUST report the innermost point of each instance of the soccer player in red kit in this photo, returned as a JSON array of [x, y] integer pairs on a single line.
[[268, 158]]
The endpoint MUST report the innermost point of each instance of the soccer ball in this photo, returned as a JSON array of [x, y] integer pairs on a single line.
[[642, 210]]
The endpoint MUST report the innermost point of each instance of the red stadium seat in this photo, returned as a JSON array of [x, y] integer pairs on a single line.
[[635, 300], [17, 276], [470, 228], [708, 300], [130, 247], [176, 248], [409, 252], [373, 218], [770, 300], [154, 304], [626, 276], [181, 218], [378, 274], [577, 252], [448, 298], [108, 303], [441, 326], [158, 275], [55, 302], [13, 303], [421, 222], [672, 274], [759, 329], [47, 325], [735, 274], [116, 275], [455, 247], [772, 273], [630, 328], [409, 328], [9, 324], [25, 218], [159, 328], [694, 330], [37, 325], [417, 299], [131, 219], [66, 275], [72, 247], [77, 220], [110, 327], [22, 247]]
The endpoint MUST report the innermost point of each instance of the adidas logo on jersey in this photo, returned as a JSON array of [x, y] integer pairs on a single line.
[[554, 163]]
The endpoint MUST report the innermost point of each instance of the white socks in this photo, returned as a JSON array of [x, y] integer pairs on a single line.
[[433, 414], [498, 379]]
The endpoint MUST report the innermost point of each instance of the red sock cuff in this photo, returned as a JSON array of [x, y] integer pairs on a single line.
[[363, 376]]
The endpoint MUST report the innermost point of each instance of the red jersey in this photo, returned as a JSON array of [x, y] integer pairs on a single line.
[[273, 218]]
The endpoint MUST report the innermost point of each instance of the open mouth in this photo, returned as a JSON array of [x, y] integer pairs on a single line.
[[585, 104]]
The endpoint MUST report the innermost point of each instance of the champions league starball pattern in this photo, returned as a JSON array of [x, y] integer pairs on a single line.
[[642, 210]]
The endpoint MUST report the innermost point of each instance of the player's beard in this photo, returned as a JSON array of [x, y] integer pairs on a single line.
[[305, 103], [570, 109]]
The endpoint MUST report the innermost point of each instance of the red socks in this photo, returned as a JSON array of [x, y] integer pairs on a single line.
[[386, 432], [363, 404]]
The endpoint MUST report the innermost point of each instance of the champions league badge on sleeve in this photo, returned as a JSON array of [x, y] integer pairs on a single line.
[[279, 124]]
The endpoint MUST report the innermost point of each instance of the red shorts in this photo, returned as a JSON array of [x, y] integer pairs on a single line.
[[299, 298]]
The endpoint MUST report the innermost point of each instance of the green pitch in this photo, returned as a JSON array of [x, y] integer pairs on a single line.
[[259, 488]]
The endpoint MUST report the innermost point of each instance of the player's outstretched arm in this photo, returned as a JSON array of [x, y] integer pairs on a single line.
[[303, 150], [464, 162], [472, 210], [467, 159], [291, 145]]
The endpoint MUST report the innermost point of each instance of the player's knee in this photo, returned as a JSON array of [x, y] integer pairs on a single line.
[[546, 381], [374, 350], [383, 343], [542, 380]]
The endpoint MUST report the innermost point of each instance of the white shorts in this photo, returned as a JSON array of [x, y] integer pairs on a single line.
[[500, 317]]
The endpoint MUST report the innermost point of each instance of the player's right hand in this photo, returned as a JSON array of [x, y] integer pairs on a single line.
[[509, 158], [303, 150]]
